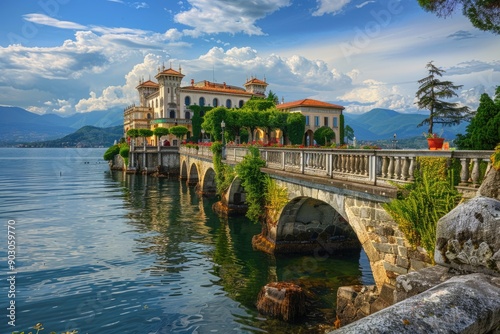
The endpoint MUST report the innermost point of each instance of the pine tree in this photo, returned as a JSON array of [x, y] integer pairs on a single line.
[[483, 132], [431, 93]]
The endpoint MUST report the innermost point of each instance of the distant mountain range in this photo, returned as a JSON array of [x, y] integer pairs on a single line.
[[21, 126], [87, 136], [381, 124], [18, 125]]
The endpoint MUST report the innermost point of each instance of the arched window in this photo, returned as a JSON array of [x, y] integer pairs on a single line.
[[187, 100], [187, 115], [229, 104], [202, 101], [215, 102], [172, 114], [241, 103], [161, 101], [149, 116], [156, 103]]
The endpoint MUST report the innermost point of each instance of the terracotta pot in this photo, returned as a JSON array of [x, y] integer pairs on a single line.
[[435, 143]]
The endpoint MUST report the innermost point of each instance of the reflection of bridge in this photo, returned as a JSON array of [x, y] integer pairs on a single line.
[[335, 199]]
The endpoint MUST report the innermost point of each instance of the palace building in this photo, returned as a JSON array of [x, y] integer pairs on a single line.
[[166, 103]]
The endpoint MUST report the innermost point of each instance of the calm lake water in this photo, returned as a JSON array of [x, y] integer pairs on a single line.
[[105, 252]]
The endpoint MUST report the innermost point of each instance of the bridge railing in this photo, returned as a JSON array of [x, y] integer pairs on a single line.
[[377, 167]]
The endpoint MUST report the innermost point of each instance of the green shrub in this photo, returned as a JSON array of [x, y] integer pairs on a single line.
[[111, 152], [421, 204]]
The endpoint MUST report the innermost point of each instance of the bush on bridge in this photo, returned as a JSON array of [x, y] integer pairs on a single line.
[[422, 203], [253, 181]]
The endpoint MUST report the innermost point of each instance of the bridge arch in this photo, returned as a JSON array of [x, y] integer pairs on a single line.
[[209, 186], [184, 170], [307, 224], [193, 176]]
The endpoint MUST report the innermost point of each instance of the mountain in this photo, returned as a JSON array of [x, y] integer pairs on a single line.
[[87, 136], [378, 124], [18, 125]]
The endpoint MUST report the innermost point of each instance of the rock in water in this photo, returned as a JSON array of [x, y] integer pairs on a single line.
[[282, 300]]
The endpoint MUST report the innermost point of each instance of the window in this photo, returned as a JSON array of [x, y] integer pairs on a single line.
[[335, 122], [326, 121], [241, 103], [187, 115], [202, 102], [316, 120], [156, 103], [229, 104], [172, 114], [307, 120], [187, 100], [215, 102]]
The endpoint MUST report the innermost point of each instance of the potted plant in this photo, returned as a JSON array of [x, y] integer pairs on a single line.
[[434, 141]]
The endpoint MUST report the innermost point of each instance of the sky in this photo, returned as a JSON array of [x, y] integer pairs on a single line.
[[76, 56]]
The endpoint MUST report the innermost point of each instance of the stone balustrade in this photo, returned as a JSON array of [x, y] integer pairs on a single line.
[[375, 167]]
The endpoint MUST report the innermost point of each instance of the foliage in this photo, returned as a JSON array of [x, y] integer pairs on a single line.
[[323, 134], [196, 121], [258, 104], [212, 122], [111, 152], [271, 96], [349, 133], [495, 158], [160, 131], [483, 14], [253, 181], [124, 153], [430, 95], [483, 131], [145, 133], [179, 131], [341, 128], [250, 120], [421, 204], [224, 174], [276, 198], [133, 133], [295, 128]]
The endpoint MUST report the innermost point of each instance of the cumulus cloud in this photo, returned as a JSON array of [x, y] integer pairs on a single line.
[[237, 16]]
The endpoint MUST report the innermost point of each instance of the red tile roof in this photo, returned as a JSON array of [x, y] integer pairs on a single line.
[[170, 71], [309, 103], [148, 83], [255, 81], [216, 87]]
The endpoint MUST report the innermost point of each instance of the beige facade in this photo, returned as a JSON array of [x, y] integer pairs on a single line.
[[317, 114]]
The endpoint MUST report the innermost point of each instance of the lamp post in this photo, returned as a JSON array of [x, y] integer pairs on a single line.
[[394, 142], [202, 135], [223, 125]]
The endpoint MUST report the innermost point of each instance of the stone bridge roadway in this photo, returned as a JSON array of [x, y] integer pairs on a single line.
[[335, 201]]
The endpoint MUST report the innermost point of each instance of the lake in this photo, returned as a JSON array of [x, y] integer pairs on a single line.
[[106, 252]]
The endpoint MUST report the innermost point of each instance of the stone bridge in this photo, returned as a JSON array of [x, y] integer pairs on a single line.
[[335, 200]]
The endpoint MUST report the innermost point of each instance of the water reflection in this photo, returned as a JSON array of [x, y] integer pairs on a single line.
[[180, 229]]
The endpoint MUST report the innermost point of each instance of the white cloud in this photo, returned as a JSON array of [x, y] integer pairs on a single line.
[[52, 22], [330, 7], [217, 16]]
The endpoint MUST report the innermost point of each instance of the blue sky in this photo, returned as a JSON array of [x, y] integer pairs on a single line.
[[67, 56]]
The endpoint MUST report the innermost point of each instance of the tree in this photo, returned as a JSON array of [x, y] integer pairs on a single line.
[[323, 134], [483, 131], [348, 133], [273, 97], [144, 133], [483, 14], [159, 132], [430, 95], [341, 129], [212, 121], [179, 131], [295, 128], [250, 120]]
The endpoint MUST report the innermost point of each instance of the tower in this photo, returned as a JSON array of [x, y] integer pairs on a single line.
[[169, 81]]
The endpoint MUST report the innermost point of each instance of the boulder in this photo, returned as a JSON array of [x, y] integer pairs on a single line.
[[468, 237], [282, 300]]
